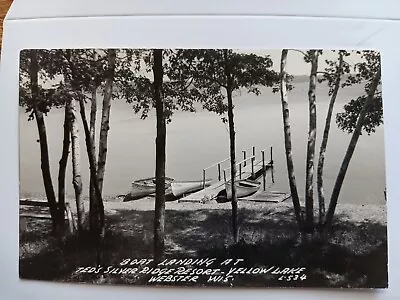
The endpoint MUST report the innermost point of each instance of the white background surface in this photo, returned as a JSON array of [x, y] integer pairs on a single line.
[[135, 27]]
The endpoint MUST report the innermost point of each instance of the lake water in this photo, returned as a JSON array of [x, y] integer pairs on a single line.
[[197, 140]]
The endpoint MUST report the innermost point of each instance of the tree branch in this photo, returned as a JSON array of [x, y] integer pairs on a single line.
[[302, 52], [189, 82]]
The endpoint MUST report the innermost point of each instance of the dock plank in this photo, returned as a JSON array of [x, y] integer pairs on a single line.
[[267, 196]]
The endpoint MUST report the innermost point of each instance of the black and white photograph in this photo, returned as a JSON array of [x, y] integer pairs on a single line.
[[202, 167]]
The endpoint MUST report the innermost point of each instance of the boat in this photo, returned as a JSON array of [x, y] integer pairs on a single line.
[[244, 188], [145, 187], [180, 188]]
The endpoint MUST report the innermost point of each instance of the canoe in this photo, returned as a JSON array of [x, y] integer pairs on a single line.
[[180, 188], [144, 187], [244, 188]]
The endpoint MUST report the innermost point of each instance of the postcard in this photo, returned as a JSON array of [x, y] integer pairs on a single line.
[[202, 167]]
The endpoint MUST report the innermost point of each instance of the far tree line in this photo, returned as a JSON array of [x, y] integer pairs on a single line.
[[169, 80]]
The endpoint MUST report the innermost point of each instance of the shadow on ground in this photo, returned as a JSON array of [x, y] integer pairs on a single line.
[[355, 256]]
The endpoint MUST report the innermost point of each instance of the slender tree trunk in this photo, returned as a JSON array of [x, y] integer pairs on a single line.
[[350, 150], [288, 140], [229, 81], [63, 165], [324, 143], [98, 226], [93, 207], [99, 233], [105, 119], [44, 150], [312, 130], [92, 166], [159, 212], [76, 166]]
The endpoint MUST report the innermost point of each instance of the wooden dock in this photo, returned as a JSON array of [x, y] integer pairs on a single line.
[[248, 168], [267, 196]]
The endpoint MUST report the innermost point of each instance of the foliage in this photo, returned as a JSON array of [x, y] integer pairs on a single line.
[[365, 71], [347, 120], [203, 71], [331, 70], [67, 74]]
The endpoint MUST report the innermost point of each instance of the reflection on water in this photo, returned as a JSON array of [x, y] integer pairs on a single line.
[[197, 140]]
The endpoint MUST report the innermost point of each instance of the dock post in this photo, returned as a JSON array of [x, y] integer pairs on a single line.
[[252, 167], [240, 171], [219, 172], [272, 167], [272, 174], [244, 157], [271, 159], [204, 178], [264, 169], [224, 176], [254, 150]]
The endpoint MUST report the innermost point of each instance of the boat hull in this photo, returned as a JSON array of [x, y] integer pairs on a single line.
[[244, 188], [146, 187], [180, 188]]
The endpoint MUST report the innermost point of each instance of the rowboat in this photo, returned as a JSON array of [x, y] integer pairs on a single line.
[[244, 188], [180, 188], [145, 187]]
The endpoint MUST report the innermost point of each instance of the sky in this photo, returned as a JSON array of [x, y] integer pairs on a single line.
[[295, 62]]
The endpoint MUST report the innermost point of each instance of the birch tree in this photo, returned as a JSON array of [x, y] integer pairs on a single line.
[[76, 165], [333, 74], [357, 118], [288, 140], [105, 119], [312, 131]]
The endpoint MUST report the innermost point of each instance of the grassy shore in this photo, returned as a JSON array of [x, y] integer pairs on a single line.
[[354, 256]]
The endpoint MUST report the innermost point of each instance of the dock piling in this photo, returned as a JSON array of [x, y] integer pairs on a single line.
[[272, 166], [252, 167], [272, 161], [264, 169]]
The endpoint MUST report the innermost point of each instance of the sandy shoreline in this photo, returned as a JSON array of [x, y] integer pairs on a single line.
[[351, 212]]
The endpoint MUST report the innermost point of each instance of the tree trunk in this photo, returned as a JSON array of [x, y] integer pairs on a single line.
[[98, 225], [229, 81], [93, 207], [324, 143], [105, 119], [92, 165], [76, 166], [44, 150], [99, 229], [159, 212], [312, 130], [97, 220], [350, 150], [63, 165], [288, 140]]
